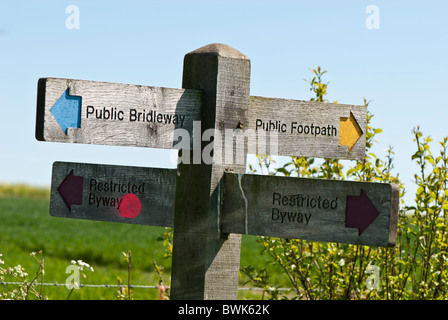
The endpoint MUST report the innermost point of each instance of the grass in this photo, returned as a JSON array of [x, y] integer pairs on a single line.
[[27, 227]]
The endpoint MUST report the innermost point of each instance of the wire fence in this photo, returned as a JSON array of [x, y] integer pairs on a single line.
[[124, 285]]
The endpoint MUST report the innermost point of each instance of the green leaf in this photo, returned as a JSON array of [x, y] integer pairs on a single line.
[[284, 171], [420, 190]]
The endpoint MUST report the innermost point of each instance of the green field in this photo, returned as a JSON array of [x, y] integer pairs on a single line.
[[27, 227]]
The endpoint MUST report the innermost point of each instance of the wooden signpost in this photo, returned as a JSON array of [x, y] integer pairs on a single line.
[[91, 112], [211, 203], [311, 209], [104, 113], [123, 194], [311, 129], [296, 208]]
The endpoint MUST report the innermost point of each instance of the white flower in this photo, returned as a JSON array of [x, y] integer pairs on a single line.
[[82, 265], [20, 271]]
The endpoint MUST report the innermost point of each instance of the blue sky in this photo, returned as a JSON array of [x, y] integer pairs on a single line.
[[401, 67]]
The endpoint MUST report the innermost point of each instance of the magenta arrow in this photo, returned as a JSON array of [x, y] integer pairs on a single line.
[[360, 212], [71, 190]]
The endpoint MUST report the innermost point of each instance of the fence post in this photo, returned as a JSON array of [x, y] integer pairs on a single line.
[[205, 262]]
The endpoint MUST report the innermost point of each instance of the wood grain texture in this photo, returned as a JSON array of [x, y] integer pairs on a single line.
[[282, 122], [309, 209], [105, 185], [288, 121], [206, 261], [117, 97]]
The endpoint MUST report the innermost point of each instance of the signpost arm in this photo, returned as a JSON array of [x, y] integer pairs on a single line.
[[205, 261]]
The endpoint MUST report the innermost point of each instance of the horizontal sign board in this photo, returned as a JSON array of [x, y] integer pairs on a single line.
[[363, 213], [92, 112], [123, 194], [311, 209], [310, 129], [105, 113]]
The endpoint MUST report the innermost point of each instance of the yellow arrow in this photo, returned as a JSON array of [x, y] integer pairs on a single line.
[[349, 132]]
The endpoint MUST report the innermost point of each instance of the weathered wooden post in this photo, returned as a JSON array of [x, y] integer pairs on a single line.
[[206, 261]]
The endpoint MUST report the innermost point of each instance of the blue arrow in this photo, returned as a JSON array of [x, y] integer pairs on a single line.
[[67, 111]]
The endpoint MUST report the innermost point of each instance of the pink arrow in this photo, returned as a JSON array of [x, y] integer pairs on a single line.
[[360, 212], [71, 190]]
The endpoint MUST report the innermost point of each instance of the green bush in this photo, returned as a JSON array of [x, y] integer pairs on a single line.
[[413, 269]]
